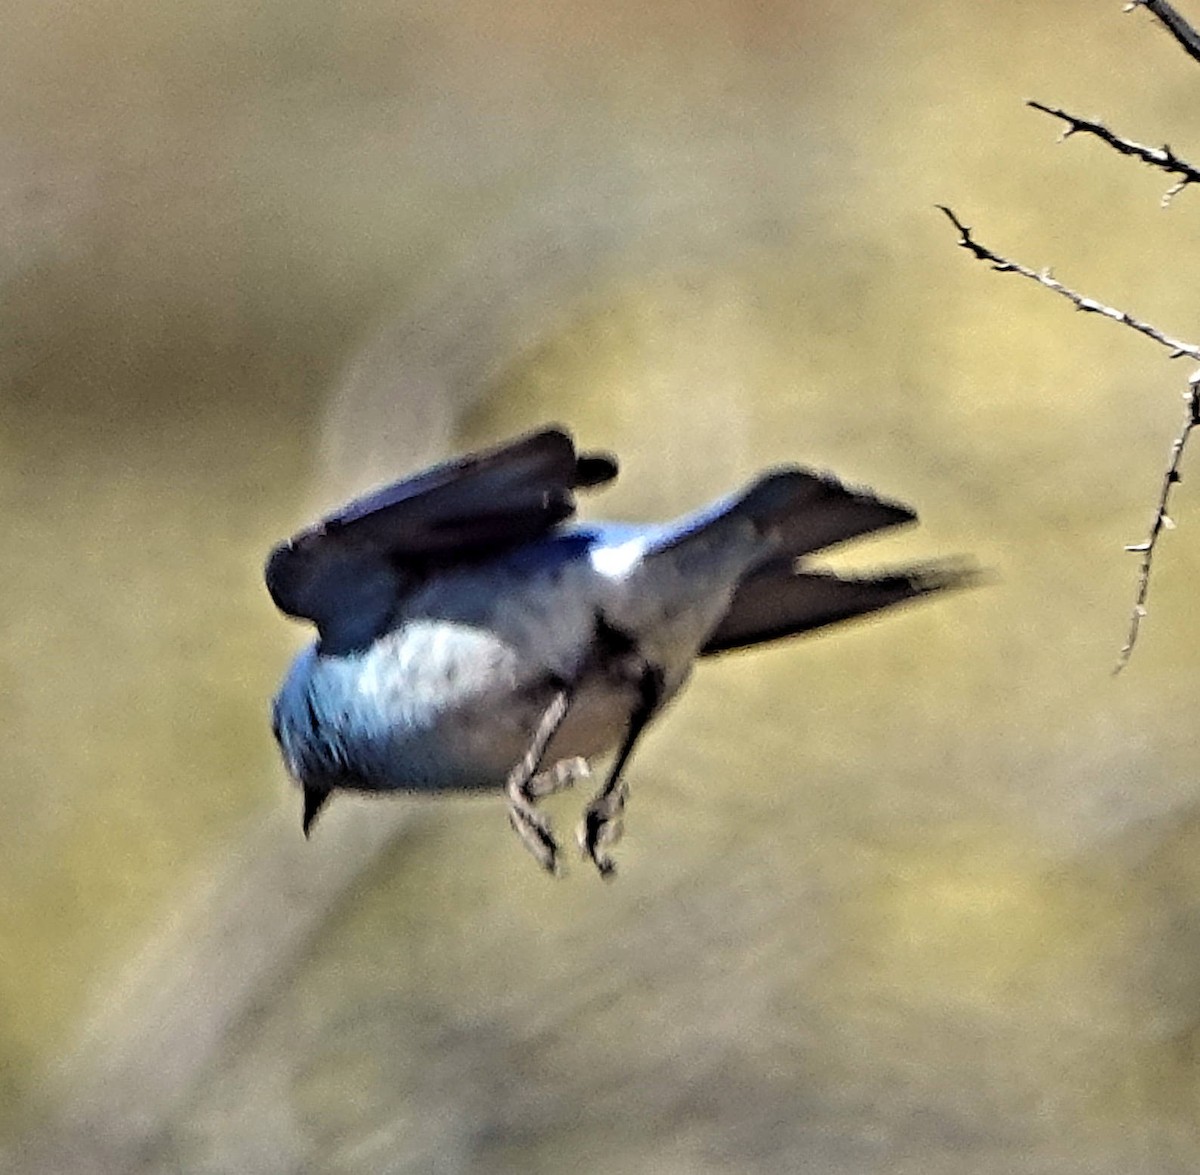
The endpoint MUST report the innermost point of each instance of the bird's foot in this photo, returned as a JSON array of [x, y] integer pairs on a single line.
[[534, 830], [564, 774], [601, 828], [531, 826]]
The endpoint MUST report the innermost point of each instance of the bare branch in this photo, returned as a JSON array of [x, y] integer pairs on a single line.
[[1161, 157], [1162, 521], [1179, 28], [1087, 305], [1172, 476]]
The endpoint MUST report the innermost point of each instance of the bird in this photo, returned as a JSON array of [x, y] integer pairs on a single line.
[[473, 636]]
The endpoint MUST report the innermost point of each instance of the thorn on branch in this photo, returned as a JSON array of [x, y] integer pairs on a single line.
[[1176, 347], [1172, 476], [1161, 157], [1162, 521]]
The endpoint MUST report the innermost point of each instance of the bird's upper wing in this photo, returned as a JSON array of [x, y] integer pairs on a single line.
[[457, 511], [469, 505], [478, 503]]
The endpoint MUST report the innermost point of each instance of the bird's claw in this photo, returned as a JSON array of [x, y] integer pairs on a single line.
[[531, 826], [601, 828], [534, 830]]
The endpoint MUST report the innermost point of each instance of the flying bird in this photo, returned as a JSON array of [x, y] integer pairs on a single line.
[[471, 636]]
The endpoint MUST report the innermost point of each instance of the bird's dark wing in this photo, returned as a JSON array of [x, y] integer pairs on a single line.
[[777, 601], [345, 571], [482, 502]]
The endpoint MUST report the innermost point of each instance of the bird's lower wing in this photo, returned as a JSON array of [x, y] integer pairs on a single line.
[[777, 601]]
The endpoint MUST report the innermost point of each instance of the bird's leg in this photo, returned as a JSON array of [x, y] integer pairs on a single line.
[[530, 824], [564, 774], [601, 825]]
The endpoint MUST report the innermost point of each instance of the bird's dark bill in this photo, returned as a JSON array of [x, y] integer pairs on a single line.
[[314, 801]]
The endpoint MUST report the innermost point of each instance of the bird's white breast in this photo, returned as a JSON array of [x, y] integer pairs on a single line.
[[424, 668]]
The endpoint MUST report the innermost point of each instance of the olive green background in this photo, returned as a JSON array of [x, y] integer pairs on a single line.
[[920, 895]]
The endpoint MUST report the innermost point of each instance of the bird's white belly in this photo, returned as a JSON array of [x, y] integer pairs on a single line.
[[412, 676], [448, 706], [441, 696]]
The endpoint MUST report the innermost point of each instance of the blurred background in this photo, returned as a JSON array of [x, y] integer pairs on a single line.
[[919, 895]]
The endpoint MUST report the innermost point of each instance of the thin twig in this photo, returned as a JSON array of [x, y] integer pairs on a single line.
[[1172, 476], [1162, 521], [1161, 157], [1087, 305], [1179, 28]]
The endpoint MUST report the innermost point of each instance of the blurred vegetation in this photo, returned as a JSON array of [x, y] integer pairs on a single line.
[[916, 896]]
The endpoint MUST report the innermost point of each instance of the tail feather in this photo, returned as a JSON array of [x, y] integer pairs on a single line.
[[777, 601]]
